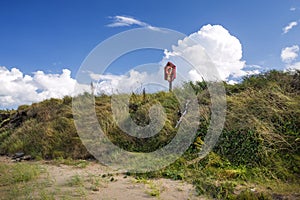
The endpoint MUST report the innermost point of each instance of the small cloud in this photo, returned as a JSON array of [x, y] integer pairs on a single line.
[[168, 54], [232, 82], [252, 69], [293, 9], [125, 21], [294, 66], [289, 54], [120, 21], [289, 27]]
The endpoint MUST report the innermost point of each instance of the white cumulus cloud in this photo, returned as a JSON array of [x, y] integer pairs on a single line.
[[17, 88], [287, 28], [224, 50]]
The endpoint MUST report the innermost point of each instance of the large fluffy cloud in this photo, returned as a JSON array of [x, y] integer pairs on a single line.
[[17, 88], [224, 50]]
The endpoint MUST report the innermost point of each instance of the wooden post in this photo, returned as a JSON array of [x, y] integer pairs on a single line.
[[92, 88], [170, 86], [144, 94]]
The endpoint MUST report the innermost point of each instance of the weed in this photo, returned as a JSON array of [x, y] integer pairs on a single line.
[[141, 180], [153, 189], [75, 180], [71, 162], [44, 195]]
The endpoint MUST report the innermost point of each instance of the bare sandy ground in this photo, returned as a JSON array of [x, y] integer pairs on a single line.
[[95, 181]]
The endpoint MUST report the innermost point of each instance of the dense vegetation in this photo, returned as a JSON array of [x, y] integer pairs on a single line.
[[258, 148]]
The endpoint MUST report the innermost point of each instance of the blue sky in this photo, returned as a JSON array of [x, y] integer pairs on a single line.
[[54, 35], [51, 35]]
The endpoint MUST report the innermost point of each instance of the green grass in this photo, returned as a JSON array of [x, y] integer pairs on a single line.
[[18, 180], [18, 173]]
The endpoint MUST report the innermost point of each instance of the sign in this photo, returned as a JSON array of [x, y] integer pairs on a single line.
[[170, 72]]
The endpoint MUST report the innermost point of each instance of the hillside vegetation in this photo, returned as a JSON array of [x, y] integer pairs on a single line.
[[258, 148]]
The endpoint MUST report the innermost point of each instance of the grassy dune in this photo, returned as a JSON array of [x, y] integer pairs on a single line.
[[257, 155]]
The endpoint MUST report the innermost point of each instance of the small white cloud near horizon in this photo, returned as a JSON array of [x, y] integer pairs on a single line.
[[293, 66], [293, 8], [287, 28], [289, 54], [121, 21]]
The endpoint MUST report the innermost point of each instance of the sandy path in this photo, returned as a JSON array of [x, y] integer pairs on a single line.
[[95, 181], [119, 186]]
